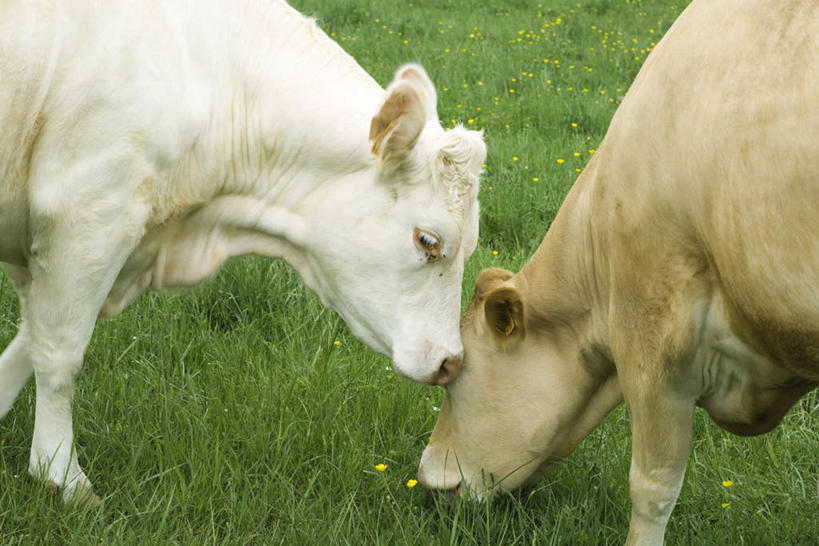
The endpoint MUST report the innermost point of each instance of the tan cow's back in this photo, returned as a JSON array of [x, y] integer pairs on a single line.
[[731, 164]]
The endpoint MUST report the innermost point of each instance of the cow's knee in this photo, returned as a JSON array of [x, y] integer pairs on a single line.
[[56, 368]]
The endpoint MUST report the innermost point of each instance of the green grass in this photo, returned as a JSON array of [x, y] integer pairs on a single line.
[[227, 415]]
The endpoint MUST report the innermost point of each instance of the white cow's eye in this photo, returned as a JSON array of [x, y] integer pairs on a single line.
[[429, 243]]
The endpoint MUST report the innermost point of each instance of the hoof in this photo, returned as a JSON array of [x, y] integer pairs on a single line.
[[83, 497]]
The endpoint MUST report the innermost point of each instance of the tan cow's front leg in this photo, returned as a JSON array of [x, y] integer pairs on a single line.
[[661, 429]]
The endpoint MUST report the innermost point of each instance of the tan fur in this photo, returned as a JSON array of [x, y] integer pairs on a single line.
[[681, 270]]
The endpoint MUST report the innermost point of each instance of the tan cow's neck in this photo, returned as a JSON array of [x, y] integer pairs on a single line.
[[565, 287]]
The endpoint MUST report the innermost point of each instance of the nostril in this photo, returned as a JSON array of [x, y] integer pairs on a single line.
[[450, 367]]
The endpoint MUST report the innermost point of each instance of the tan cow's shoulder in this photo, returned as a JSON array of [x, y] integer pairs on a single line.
[[711, 166]]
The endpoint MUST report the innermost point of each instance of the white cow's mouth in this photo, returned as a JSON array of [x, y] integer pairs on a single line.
[[433, 365]]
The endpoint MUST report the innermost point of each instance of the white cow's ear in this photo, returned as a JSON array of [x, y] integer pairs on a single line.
[[504, 313], [415, 75], [395, 129]]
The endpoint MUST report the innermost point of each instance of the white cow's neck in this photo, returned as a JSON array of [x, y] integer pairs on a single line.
[[276, 120], [300, 112]]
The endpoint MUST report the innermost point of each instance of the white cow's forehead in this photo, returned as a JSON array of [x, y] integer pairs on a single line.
[[452, 161]]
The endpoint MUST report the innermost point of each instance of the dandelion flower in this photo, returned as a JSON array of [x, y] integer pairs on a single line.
[[412, 483], [337, 343], [381, 467], [536, 179], [726, 504], [494, 253], [727, 483], [514, 158], [560, 161]]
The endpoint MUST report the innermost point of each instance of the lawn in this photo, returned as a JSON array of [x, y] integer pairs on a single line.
[[242, 412]]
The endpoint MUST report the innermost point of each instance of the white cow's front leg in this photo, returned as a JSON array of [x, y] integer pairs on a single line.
[[53, 458], [67, 291], [15, 364], [661, 429], [15, 369], [83, 229]]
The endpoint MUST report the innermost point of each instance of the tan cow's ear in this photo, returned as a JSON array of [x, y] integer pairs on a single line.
[[490, 278], [504, 312], [409, 104]]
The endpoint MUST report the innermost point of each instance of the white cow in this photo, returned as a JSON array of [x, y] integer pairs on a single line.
[[143, 143], [682, 270]]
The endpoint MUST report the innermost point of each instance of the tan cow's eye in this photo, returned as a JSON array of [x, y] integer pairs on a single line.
[[429, 243]]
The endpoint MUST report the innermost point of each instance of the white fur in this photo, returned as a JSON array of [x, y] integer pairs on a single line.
[[146, 142]]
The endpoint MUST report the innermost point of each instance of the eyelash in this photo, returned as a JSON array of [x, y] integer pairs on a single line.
[[429, 243], [427, 240]]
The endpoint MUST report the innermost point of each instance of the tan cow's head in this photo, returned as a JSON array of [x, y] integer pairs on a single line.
[[522, 400]]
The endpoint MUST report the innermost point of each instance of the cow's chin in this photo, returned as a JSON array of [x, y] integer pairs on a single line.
[[442, 470]]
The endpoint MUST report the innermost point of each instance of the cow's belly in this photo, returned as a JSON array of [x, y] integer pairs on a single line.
[[744, 391]]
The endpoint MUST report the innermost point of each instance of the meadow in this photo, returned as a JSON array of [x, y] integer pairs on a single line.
[[243, 412]]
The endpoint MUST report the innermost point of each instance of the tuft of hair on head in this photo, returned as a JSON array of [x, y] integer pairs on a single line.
[[458, 164]]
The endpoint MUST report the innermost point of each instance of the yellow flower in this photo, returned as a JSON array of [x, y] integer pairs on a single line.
[[536, 179], [412, 483], [511, 90], [727, 483], [560, 161], [514, 158], [470, 121], [591, 151], [494, 253], [726, 504], [574, 125], [381, 467], [337, 343]]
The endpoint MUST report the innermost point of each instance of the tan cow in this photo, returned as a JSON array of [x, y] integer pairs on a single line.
[[681, 271]]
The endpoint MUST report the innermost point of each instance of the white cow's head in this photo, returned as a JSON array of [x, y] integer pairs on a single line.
[[393, 263]]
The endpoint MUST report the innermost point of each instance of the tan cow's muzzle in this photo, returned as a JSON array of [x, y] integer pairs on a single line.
[[439, 469]]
